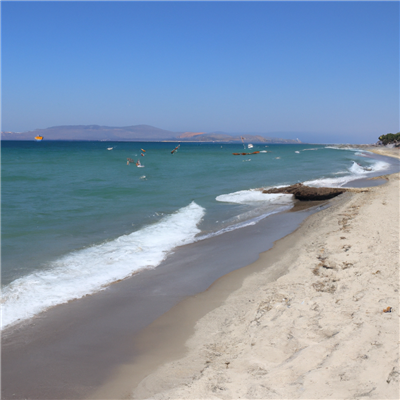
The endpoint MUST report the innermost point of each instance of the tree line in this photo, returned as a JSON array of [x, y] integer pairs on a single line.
[[390, 138]]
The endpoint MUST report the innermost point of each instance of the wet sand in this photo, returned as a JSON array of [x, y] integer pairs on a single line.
[[72, 349]]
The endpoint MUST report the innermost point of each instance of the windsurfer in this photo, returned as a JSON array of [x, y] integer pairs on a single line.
[[175, 149]]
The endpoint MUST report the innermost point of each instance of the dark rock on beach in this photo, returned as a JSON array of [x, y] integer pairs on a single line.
[[307, 193]]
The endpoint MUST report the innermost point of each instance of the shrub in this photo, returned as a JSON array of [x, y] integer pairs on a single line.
[[390, 138]]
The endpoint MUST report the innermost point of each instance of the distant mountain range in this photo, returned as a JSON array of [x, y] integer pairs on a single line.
[[134, 133]]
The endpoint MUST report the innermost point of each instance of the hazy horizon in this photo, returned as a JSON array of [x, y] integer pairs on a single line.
[[323, 72], [278, 135]]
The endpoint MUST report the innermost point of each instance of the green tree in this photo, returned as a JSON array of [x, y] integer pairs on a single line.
[[390, 138]]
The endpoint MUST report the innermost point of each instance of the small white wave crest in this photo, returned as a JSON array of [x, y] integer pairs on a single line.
[[92, 269], [342, 148], [356, 170], [263, 205], [246, 221], [255, 196]]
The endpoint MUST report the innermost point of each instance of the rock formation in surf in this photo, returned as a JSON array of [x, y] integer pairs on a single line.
[[307, 193]]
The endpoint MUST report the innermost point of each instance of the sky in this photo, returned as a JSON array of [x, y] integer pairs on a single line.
[[325, 72]]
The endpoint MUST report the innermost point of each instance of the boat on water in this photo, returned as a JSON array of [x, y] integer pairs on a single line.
[[38, 138], [249, 145]]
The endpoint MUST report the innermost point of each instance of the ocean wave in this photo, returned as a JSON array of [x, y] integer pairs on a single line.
[[356, 170], [90, 270], [358, 151], [263, 205], [246, 219], [342, 148], [255, 196]]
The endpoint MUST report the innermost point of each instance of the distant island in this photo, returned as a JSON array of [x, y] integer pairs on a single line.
[[135, 133]]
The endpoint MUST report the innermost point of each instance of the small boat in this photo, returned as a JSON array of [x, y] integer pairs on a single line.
[[144, 151], [139, 165], [297, 152], [110, 148], [250, 146], [38, 138]]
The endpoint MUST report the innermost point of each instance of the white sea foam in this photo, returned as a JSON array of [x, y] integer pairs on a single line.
[[264, 205], [356, 172], [254, 196], [342, 148], [354, 149], [246, 221], [92, 269]]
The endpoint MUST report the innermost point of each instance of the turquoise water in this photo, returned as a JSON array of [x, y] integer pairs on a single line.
[[76, 217]]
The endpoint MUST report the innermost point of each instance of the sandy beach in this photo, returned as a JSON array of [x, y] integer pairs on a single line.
[[315, 317], [228, 318]]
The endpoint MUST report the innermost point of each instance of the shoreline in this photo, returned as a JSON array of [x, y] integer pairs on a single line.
[[73, 348], [165, 339], [51, 328], [206, 353]]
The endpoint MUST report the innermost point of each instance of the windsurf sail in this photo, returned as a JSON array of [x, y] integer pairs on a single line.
[[175, 149]]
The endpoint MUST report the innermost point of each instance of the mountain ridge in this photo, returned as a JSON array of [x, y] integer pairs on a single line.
[[134, 133]]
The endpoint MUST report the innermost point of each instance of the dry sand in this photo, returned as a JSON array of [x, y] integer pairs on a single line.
[[316, 332]]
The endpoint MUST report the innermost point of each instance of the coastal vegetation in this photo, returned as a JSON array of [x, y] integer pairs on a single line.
[[390, 138]]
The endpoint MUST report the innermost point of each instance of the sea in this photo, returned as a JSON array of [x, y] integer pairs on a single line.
[[76, 217]]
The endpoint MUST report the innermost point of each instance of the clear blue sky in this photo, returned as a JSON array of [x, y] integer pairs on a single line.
[[320, 71]]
